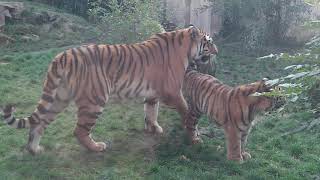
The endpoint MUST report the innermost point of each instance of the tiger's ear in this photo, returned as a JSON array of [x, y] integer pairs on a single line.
[[261, 88]]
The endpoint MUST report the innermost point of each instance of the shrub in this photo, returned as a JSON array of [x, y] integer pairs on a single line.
[[126, 21]]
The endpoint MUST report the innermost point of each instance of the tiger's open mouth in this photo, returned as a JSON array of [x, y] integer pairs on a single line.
[[205, 59]]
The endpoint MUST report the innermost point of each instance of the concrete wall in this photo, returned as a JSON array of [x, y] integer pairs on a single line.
[[197, 14]]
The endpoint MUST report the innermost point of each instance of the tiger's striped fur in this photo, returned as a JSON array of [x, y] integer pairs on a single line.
[[233, 108], [88, 75]]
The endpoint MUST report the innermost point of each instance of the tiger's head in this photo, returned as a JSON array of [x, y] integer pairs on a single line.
[[203, 47], [257, 98]]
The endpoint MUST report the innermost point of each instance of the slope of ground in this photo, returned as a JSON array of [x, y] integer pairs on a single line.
[[40, 27]]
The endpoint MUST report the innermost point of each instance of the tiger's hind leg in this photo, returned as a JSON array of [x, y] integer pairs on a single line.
[[151, 107], [87, 116], [42, 117], [244, 136], [189, 121]]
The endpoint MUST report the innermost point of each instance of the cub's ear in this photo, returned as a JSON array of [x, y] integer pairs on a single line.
[[254, 89]]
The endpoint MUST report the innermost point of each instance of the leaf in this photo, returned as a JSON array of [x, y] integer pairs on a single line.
[[272, 82], [265, 57], [313, 73], [289, 67], [294, 66], [288, 85], [294, 99], [297, 75]]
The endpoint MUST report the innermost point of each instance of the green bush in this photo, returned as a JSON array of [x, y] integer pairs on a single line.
[[126, 21], [301, 85]]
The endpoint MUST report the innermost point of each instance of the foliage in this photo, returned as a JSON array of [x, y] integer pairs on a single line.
[[302, 84], [78, 7], [126, 21]]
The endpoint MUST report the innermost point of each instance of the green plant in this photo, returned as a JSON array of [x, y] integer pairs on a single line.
[[302, 84], [126, 21]]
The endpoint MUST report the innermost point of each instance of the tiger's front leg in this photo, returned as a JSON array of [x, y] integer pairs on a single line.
[[233, 139], [192, 125], [151, 107]]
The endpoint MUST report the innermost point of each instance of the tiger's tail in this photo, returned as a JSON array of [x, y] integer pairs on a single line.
[[50, 87]]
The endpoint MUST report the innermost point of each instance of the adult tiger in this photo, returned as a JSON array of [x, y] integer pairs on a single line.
[[88, 75]]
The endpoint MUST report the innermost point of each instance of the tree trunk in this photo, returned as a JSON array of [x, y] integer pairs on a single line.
[[188, 13]]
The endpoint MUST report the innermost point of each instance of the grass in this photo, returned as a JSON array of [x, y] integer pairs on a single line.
[[136, 155]]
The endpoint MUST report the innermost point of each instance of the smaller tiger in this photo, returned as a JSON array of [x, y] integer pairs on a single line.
[[233, 108]]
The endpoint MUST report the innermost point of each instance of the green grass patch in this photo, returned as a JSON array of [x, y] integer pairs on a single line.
[[136, 155]]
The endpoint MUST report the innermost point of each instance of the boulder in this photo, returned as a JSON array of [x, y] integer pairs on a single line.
[[30, 37], [10, 10], [4, 39]]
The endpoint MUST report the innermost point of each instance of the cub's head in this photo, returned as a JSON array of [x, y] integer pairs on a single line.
[[255, 94], [203, 47]]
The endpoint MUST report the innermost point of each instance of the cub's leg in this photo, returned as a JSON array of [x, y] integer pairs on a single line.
[[189, 122], [244, 137], [87, 116], [151, 125], [43, 116], [192, 124], [233, 139]]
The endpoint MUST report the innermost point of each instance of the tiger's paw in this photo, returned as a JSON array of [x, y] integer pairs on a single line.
[[196, 140], [237, 158], [99, 147], [245, 155], [35, 151], [194, 136], [153, 129]]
